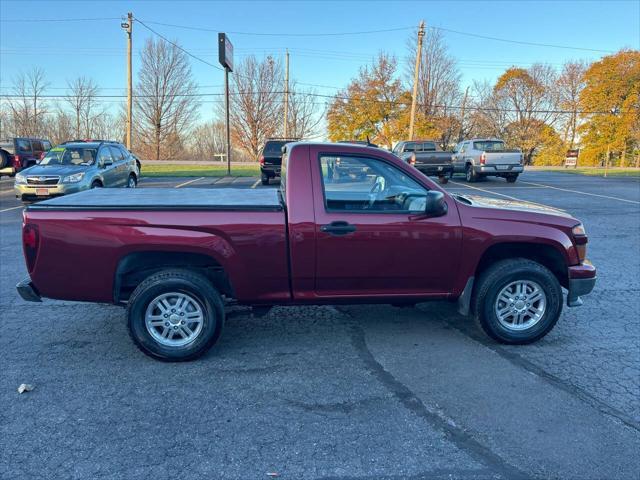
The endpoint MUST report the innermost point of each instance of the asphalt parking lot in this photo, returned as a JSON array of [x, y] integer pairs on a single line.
[[343, 393]]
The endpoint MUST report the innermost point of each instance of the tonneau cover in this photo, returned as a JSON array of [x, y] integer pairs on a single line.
[[223, 199]]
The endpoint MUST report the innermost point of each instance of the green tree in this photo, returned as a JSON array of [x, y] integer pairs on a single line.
[[610, 105]]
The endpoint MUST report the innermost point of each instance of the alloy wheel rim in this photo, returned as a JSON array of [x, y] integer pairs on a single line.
[[132, 182], [174, 319], [520, 305]]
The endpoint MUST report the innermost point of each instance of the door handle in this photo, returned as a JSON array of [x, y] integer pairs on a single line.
[[338, 228]]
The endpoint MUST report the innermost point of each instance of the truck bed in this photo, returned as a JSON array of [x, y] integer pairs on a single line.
[[221, 199]]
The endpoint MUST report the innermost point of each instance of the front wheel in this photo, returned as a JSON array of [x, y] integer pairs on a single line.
[[175, 315], [517, 301], [132, 182], [96, 184]]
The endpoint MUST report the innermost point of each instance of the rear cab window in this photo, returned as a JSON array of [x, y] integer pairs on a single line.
[[24, 146], [489, 145]]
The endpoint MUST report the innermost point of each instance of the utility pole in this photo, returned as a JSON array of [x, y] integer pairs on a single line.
[[606, 160], [286, 95], [414, 99], [462, 112], [128, 27]]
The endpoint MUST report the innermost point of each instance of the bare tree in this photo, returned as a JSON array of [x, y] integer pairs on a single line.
[[207, 140], [256, 103], [438, 84], [165, 107], [27, 105], [82, 102], [570, 84], [303, 119]]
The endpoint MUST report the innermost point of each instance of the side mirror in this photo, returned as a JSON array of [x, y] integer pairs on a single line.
[[435, 206]]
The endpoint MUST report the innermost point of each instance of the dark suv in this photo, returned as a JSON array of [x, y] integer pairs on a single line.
[[19, 153], [271, 159]]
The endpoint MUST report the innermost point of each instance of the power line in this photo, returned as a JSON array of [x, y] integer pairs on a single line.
[[176, 45], [337, 97], [280, 34], [519, 42], [42, 20]]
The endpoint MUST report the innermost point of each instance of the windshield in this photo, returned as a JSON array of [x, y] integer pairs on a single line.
[[488, 145], [70, 156]]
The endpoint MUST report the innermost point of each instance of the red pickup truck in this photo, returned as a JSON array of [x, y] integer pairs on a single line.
[[390, 235]]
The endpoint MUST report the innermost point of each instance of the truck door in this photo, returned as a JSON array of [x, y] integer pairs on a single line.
[[371, 237]]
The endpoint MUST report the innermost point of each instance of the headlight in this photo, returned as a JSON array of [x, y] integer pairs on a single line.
[[20, 179], [578, 230], [76, 177]]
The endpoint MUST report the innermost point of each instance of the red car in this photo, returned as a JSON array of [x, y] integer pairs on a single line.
[[390, 235]]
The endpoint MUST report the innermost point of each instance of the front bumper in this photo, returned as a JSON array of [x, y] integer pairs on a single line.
[[28, 291], [41, 192], [498, 169], [582, 279]]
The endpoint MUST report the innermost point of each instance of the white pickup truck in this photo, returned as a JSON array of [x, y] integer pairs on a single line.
[[481, 157]]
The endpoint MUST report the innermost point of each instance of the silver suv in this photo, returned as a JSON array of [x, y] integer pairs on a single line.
[[75, 166]]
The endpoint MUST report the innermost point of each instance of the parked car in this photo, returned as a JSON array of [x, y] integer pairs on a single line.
[[173, 257], [482, 157], [426, 156], [16, 154], [271, 158], [75, 166]]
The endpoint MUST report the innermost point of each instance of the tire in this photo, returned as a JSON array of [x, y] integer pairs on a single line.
[[264, 179], [96, 184], [132, 181], [170, 285], [470, 174], [4, 159], [511, 178], [443, 179], [496, 280]]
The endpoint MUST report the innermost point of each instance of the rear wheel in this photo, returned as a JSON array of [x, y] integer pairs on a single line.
[[470, 174], [132, 182], [96, 184], [517, 301], [264, 179], [175, 315], [511, 178]]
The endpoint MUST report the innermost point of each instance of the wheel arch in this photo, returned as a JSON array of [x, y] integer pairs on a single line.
[[543, 253], [134, 267]]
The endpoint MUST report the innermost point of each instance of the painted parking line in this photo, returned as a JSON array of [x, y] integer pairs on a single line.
[[189, 182], [541, 185], [255, 184], [486, 191], [12, 208]]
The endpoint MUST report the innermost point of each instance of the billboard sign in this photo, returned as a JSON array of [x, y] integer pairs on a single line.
[[571, 160], [225, 51]]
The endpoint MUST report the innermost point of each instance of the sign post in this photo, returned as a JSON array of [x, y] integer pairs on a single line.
[[571, 160], [225, 57]]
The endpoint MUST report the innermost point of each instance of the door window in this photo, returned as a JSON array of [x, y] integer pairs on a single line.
[[46, 145], [116, 153], [361, 184], [104, 156]]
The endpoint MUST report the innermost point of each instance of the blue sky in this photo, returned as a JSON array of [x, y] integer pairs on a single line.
[[96, 48]]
